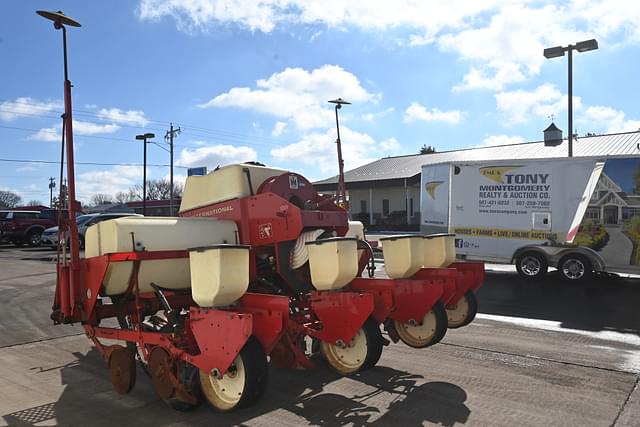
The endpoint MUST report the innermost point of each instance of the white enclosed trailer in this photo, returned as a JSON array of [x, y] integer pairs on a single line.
[[580, 215]]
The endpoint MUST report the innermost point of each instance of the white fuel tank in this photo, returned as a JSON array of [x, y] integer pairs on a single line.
[[154, 234]]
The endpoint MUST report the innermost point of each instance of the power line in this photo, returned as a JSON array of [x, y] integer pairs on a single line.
[[105, 117], [55, 162]]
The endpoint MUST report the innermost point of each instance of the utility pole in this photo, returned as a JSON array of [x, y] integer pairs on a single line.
[[52, 185], [169, 138]]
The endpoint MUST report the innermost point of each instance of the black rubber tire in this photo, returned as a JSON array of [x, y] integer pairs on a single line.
[[372, 329], [588, 268], [544, 266], [442, 323], [256, 369], [473, 307], [472, 302], [375, 344], [33, 238]]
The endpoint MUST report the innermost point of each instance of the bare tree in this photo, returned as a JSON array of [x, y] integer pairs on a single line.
[[101, 199], [159, 189], [9, 199], [122, 197], [34, 203]]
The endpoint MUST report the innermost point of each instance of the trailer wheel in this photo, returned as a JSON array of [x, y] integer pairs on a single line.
[[362, 353], [243, 383], [575, 268], [531, 265], [430, 332], [464, 311]]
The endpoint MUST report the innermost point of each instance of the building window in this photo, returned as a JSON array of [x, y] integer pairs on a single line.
[[363, 206], [385, 207], [411, 207]]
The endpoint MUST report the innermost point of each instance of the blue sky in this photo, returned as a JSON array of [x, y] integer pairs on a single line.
[[250, 80]]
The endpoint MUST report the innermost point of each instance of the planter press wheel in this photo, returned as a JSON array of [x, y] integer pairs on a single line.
[[243, 383], [122, 369], [464, 311], [362, 353], [430, 332], [164, 377]]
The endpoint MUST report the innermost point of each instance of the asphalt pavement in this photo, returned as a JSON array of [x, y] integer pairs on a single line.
[[539, 353]]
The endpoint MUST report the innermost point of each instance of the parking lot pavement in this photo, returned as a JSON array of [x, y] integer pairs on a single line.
[[534, 356]]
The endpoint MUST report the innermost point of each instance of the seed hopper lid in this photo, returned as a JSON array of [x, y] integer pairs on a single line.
[[433, 236], [400, 237], [218, 246], [330, 239]]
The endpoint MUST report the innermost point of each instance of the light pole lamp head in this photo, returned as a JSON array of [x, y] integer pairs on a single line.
[[145, 136], [554, 52], [587, 45], [339, 102], [59, 19]]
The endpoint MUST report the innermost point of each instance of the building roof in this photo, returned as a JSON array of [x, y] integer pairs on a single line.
[[405, 167]]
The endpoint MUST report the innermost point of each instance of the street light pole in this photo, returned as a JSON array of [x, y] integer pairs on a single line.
[[68, 272], [144, 137], [570, 100], [342, 190], [557, 51]]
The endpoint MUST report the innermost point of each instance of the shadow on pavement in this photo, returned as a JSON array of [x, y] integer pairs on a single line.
[[604, 304], [408, 400]]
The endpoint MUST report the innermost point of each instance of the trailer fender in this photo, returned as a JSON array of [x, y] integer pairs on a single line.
[[553, 254], [597, 262]]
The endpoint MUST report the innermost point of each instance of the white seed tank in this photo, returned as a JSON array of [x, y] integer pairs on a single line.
[[228, 182], [439, 250], [333, 262], [154, 234], [403, 255]]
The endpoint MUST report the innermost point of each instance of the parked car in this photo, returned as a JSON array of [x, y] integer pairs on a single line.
[[23, 227], [50, 235]]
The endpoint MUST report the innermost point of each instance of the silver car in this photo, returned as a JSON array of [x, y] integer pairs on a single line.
[[50, 235]]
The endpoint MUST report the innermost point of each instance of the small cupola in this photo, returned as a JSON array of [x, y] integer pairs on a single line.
[[552, 135]]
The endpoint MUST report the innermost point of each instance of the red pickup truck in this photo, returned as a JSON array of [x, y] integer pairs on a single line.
[[25, 227]]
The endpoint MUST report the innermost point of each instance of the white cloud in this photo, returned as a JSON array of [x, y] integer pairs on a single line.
[[25, 106], [54, 133], [494, 140], [390, 146], [546, 100], [108, 181], [216, 155], [116, 115], [297, 95], [494, 75], [609, 119], [370, 117], [88, 128], [51, 134], [425, 17], [278, 128], [415, 112], [319, 150], [502, 40]]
